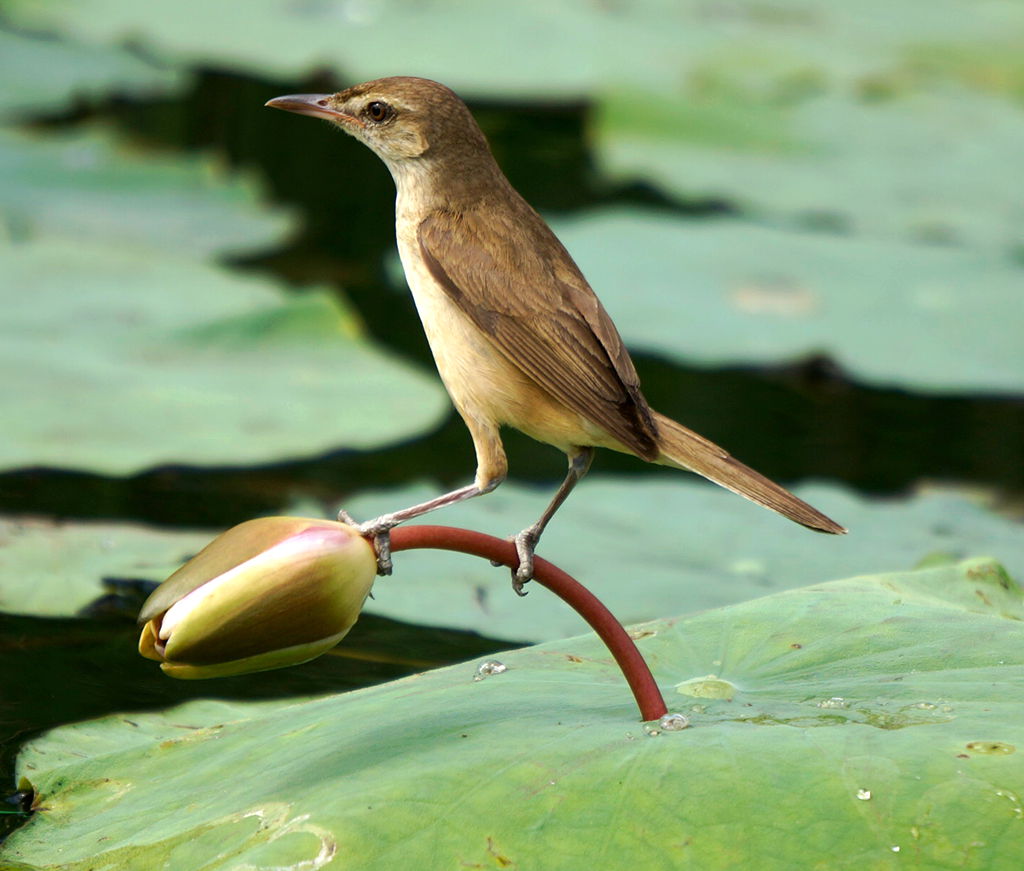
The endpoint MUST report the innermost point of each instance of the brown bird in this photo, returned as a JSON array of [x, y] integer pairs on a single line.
[[518, 335]]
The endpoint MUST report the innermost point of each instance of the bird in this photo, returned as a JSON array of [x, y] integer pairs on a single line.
[[518, 335]]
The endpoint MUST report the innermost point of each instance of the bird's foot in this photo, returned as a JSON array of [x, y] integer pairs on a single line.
[[526, 542], [379, 530]]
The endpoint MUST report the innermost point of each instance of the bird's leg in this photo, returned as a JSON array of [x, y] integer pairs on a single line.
[[491, 468], [526, 541], [380, 527]]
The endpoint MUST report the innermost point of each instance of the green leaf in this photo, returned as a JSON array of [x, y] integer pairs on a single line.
[[87, 186], [729, 291], [646, 547], [932, 166], [40, 74], [667, 545], [567, 49], [115, 359], [873, 722], [575, 47], [50, 568]]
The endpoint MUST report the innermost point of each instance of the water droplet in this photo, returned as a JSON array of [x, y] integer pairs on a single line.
[[674, 722], [491, 666], [834, 702], [992, 747], [864, 794], [1018, 811]]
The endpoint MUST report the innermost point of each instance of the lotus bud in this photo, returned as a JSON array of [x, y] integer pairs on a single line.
[[267, 593]]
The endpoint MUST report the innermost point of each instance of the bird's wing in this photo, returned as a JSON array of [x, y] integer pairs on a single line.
[[511, 276]]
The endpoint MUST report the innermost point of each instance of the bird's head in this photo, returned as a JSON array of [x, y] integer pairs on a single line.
[[401, 119]]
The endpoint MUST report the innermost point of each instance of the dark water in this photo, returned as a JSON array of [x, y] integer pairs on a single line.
[[803, 421]]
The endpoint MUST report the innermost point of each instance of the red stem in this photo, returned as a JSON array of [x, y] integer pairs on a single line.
[[586, 604]]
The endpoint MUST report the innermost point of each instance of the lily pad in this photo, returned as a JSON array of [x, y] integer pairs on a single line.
[[731, 291], [873, 722], [570, 48], [49, 568], [563, 49], [933, 166], [115, 359], [41, 74], [666, 546], [645, 547], [88, 186]]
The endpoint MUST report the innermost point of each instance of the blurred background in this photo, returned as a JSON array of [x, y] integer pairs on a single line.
[[805, 216]]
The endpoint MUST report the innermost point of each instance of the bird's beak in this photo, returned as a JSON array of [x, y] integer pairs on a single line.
[[316, 105]]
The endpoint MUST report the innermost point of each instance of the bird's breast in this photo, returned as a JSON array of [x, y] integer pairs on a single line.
[[481, 380], [468, 361]]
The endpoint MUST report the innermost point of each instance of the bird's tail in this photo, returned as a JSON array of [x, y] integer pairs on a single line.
[[685, 449]]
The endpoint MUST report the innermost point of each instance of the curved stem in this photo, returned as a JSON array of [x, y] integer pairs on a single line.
[[586, 604]]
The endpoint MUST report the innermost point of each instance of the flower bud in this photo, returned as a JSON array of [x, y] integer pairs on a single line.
[[267, 593]]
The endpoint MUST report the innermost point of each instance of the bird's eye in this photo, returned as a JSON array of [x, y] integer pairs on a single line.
[[378, 110]]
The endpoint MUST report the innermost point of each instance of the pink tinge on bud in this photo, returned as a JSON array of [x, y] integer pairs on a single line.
[[268, 593]]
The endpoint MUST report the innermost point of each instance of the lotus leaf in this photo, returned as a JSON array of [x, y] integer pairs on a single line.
[[531, 47], [40, 74], [647, 547], [731, 291], [88, 186], [115, 359], [871, 722]]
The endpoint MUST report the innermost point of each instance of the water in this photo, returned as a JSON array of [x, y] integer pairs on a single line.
[[486, 669]]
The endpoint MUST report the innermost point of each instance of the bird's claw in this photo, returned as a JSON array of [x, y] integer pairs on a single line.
[[345, 517], [525, 542], [380, 531], [382, 546]]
